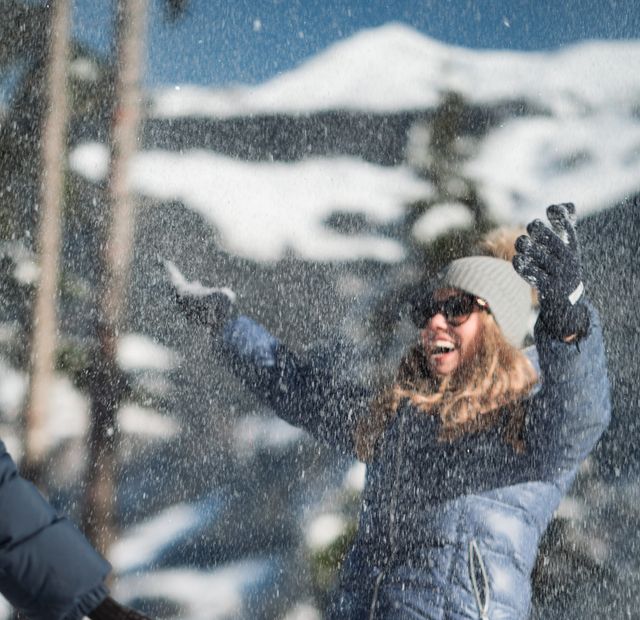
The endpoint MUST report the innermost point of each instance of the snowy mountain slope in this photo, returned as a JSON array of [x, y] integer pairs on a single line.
[[262, 210], [592, 159], [397, 68], [580, 141]]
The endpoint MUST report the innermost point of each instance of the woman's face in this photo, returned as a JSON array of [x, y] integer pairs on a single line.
[[450, 348]]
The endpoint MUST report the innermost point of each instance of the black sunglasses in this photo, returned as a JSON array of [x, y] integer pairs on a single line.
[[456, 309]]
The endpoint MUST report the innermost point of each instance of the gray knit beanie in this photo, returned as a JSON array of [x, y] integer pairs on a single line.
[[496, 281]]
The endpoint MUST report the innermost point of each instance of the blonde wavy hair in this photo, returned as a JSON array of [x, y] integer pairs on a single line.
[[468, 401]]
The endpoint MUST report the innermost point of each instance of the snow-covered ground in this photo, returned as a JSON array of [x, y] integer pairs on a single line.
[[201, 595]]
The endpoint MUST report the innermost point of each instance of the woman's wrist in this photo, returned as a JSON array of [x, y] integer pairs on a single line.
[[570, 326]]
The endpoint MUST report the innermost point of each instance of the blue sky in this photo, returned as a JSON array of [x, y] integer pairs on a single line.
[[221, 42]]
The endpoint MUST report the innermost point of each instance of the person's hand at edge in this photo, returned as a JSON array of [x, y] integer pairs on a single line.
[[110, 609]]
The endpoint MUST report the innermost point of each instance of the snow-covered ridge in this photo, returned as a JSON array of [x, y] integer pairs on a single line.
[[584, 148], [263, 209], [395, 67]]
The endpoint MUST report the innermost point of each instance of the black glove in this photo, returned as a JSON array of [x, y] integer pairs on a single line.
[[210, 307], [549, 260], [112, 610]]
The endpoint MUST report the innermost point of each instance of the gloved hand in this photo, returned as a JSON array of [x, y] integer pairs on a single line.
[[549, 260], [207, 306], [110, 609]]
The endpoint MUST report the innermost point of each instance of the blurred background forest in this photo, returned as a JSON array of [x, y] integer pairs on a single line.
[[323, 194]]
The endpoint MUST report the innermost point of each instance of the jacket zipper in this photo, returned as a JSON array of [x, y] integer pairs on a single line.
[[392, 518], [482, 597]]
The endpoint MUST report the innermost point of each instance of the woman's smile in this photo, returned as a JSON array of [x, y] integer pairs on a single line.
[[449, 346]]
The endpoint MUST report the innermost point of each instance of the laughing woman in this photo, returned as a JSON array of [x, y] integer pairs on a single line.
[[472, 447]]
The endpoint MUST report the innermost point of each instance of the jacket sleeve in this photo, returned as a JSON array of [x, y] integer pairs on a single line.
[[303, 390], [571, 410], [48, 570]]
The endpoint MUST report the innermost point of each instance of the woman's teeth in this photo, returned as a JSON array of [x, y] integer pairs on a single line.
[[442, 346]]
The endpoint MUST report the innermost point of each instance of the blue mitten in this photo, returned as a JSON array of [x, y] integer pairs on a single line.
[[207, 306], [549, 260]]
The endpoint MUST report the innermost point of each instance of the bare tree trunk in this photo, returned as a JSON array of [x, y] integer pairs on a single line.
[[107, 392], [44, 318]]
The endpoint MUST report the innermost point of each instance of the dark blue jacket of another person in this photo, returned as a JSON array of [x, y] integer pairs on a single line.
[[447, 531], [48, 570]]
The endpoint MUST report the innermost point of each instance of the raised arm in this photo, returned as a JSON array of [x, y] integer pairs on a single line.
[[572, 409], [306, 391]]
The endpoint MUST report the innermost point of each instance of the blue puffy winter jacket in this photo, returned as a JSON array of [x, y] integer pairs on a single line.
[[48, 570], [446, 530]]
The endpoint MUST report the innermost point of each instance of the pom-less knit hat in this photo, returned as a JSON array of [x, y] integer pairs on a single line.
[[496, 281]]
